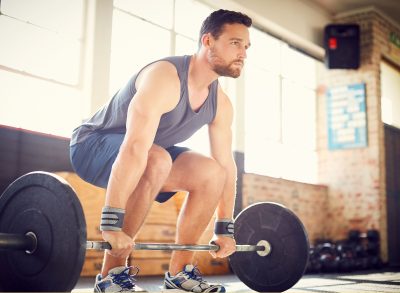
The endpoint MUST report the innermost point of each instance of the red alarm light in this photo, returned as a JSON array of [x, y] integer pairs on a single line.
[[332, 43]]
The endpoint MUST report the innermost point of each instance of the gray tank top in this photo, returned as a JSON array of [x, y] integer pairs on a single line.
[[175, 126]]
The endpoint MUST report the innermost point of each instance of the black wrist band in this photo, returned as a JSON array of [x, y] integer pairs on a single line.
[[224, 227], [112, 219]]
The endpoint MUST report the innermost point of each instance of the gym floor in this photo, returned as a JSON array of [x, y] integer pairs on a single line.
[[362, 281]]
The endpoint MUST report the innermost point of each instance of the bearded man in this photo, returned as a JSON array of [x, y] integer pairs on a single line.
[[129, 148]]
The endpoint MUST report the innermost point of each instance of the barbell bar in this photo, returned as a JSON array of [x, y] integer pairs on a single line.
[[102, 245], [28, 243], [43, 240]]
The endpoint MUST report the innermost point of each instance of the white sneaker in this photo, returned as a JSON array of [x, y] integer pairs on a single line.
[[117, 280], [190, 280]]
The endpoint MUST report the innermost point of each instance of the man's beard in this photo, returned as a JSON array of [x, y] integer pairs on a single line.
[[220, 67]]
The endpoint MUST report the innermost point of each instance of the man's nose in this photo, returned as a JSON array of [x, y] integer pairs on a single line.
[[242, 54]]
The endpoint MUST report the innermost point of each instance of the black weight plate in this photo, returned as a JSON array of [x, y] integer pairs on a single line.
[[287, 261], [46, 205]]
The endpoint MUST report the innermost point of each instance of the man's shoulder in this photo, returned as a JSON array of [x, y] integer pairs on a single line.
[[162, 66], [176, 62], [158, 71], [222, 96]]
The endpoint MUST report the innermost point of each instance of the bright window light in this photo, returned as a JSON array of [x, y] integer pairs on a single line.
[[185, 46], [41, 62], [298, 67], [39, 105], [155, 11], [135, 43], [38, 51], [63, 17], [280, 107], [265, 51], [189, 15], [390, 99], [298, 116], [262, 104]]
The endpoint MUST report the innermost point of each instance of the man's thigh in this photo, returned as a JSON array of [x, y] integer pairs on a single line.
[[187, 171]]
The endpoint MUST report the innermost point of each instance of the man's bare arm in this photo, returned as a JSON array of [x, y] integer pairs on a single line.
[[221, 150], [157, 93]]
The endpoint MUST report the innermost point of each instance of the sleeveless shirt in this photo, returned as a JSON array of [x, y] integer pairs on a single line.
[[175, 126]]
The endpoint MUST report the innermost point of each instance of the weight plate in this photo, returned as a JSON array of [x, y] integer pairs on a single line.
[[46, 205], [287, 261]]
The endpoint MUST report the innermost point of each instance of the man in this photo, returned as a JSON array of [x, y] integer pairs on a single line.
[[128, 147]]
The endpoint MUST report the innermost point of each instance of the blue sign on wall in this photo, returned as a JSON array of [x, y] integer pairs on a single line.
[[347, 117]]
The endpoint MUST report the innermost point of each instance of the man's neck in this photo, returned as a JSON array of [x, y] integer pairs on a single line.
[[200, 73]]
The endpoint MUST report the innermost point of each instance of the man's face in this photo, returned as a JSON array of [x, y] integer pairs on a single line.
[[227, 53]]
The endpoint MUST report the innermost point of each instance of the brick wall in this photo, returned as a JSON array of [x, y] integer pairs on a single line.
[[307, 201], [356, 177]]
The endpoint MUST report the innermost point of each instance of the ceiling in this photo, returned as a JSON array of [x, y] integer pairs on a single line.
[[389, 7]]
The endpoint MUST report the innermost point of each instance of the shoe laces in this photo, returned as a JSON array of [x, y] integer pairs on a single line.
[[194, 274], [124, 279]]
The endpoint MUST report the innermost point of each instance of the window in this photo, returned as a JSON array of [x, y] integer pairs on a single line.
[[390, 98], [40, 60], [280, 110], [155, 11], [184, 45], [188, 24], [135, 43], [41, 68]]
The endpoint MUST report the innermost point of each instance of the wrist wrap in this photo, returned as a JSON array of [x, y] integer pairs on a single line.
[[112, 219], [224, 227]]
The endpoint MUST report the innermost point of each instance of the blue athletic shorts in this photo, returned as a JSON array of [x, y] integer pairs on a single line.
[[92, 159]]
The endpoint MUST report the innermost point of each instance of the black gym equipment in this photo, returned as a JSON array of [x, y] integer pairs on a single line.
[[328, 257], [346, 254], [43, 240], [360, 251], [286, 262], [46, 210]]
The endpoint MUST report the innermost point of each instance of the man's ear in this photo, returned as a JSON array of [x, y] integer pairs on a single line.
[[206, 40]]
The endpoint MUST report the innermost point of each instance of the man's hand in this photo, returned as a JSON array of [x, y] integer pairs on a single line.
[[227, 246], [120, 242]]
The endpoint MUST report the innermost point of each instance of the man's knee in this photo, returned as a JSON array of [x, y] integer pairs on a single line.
[[159, 164], [212, 174]]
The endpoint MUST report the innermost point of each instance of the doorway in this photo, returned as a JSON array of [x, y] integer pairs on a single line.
[[390, 101]]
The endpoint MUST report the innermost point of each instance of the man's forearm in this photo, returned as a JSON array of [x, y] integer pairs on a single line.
[[124, 178], [227, 202]]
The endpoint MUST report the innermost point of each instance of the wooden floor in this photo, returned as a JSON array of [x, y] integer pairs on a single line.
[[363, 281]]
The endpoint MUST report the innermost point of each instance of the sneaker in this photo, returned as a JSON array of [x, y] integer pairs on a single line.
[[117, 280], [190, 280]]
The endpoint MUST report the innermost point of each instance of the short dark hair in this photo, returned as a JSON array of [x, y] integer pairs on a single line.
[[216, 20]]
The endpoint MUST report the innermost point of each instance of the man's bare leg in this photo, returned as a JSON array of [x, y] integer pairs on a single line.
[[139, 203], [204, 179]]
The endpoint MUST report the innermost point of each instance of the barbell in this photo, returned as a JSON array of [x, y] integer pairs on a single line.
[[43, 240]]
